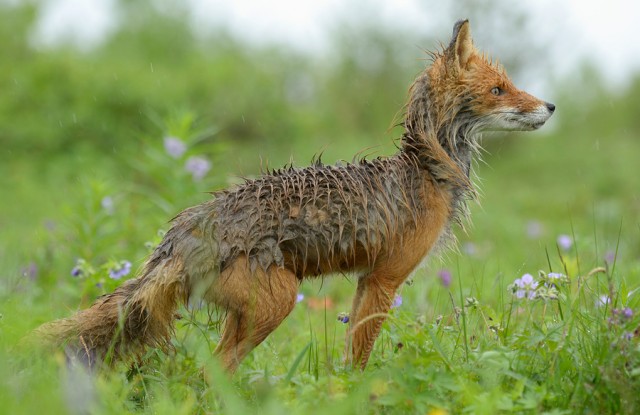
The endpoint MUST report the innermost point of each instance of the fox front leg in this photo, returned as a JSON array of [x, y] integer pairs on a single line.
[[371, 304]]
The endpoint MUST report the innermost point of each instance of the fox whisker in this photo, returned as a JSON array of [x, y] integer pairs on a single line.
[[248, 248]]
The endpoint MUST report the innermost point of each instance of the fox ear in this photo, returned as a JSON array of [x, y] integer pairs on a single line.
[[461, 47]]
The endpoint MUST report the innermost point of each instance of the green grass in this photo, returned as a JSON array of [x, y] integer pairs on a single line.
[[470, 347]]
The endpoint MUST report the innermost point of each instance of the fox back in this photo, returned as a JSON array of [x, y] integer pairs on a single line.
[[248, 249]]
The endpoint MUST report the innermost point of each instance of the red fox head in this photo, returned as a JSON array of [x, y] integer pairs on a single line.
[[474, 90]]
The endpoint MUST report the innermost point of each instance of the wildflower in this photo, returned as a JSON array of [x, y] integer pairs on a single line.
[[174, 147], [445, 277], [554, 275], [565, 242], [343, 317], [549, 290], [469, 248], [534, 229], [471, 302], [603, 300], [198, 167], [627, 335], [620, 317], [108, 205], [609, 257], [82, 269], [553, 279], [525, 287], [397, 301], [123, 268], [30, 271], [299, 297]]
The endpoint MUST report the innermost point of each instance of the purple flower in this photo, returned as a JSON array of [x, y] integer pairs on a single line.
[[553, 279], [174, 147], [534, 229], [609, 257], [627, 312], [525, 287], [124, 268], [76, 271], [527, 281], [299, 297], [445, 277], [343, 317], [197, 166], [30, 271], [108, 205], [565, 242], [627, 335], [397, 301]]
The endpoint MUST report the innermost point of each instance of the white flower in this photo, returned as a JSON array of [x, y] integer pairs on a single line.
[[174, 147]]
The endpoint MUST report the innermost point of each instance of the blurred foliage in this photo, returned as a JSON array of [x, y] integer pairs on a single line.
[[61, 100], [71, 118], [87, 182]]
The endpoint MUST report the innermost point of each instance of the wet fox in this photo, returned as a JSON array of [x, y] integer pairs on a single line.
[[248, 249]]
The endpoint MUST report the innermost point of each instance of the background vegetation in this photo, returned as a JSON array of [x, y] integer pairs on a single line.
[[87, 185]]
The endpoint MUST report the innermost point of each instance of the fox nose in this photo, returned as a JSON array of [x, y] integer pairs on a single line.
[[550, 106]]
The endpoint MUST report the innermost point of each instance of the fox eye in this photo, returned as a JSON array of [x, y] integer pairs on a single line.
[[497, 91]]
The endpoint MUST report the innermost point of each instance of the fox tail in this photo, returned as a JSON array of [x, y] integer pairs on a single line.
[[137, 314]]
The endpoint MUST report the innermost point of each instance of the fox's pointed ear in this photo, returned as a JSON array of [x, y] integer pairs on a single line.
[[461, 47]]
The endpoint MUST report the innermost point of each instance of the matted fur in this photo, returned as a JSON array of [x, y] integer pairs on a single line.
[[321, 218], [248, 248]]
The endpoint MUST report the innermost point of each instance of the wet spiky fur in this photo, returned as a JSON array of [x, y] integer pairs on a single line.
[[248, 248]]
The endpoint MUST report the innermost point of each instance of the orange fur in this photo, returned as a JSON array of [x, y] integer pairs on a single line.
[[376, 290], [247, 249]]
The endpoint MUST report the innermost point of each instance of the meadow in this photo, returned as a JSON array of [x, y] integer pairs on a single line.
[[537, 311]]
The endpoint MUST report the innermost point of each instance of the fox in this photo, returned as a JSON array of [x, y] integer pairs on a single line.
[[248, 248]]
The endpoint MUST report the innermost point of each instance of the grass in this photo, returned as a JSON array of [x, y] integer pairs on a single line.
[[87, 184], [469, 346]]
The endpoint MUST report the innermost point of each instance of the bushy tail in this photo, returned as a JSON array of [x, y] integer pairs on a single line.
[[139, 313]]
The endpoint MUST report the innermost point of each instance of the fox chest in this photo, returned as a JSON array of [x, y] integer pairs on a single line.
[[419, 237]]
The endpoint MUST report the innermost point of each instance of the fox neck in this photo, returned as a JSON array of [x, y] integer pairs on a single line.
[[443, 137]]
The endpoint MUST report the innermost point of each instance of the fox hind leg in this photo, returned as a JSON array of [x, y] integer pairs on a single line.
[[256, 303], [233, 336]]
